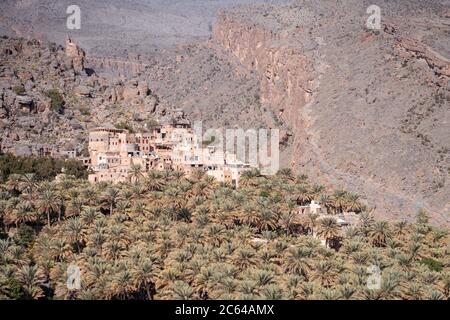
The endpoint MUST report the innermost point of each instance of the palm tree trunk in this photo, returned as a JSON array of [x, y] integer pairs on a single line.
[[149, 295], [111, 209], [48, 218]]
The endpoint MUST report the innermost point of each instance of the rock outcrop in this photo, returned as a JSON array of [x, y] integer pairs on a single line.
[[285, 73], [48, 101], [76, 56]]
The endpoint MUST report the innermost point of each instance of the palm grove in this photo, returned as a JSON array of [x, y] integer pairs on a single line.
[[167, 236]]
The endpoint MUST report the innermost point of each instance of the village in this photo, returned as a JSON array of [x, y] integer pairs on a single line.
[[114, 153]]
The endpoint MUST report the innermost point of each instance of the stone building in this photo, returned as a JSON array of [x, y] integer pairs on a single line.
[[114, 152]]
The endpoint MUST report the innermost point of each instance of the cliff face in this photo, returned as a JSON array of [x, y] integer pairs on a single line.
[[115, 68], [285, 73], [76, 55]]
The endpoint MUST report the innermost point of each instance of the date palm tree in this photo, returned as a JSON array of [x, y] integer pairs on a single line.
[[327, 202], [31, 280], [181, 290], [353, 204], [380, 233], [24, 213], [47, 204], [340, 200], [74, 231], [135, 173], [287, 221], [285, 173], [328, 229], [27, 183], [110, 198], [144, 277], [297, 261]]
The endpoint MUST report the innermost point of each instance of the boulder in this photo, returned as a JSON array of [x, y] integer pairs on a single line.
[[44, 104], [25, 76], [130, 93], [29, 85], [143, 89], [83, 91], [24, 101], [3, 113]]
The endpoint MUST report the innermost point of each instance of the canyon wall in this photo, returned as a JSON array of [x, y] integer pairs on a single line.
[[285, 73], [367, 132], [116, 68], [287, 82]]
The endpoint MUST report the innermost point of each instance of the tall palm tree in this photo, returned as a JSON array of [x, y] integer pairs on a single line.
[[340, 200], [380, 233], [249, 178], [47, 204], [31, 279], [74, 231], [267, 220], [121, 285], [327, 202], [287, 221], [154, 181], [304, 195], [28, 182], [181, 290], [144, 277], [285, 173], [328, 229], [297, 261], [353, 204], [110, 198], [135, 173], [24, 213]]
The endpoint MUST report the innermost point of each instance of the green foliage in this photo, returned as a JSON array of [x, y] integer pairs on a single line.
[[25, 236], [15, 289], [166, 236], [75, 168], [45, 168], [152, 123], [434, 265], [124, 126], [19, 90], [57, 100], [209, 142]]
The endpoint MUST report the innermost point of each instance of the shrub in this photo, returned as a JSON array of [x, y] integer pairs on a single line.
[[19, 90], [432, 264], [75, 168], [124, 126], [25, 235], [45, 168], [57, 100]]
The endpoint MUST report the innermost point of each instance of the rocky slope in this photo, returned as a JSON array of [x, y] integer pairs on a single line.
[[363, 110], [368, 110], [49, 99], [115, 27]]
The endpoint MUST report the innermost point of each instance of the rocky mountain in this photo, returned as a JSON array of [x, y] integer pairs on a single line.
[[368, 110], [116, 27], [365, 110], [49, 98]]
